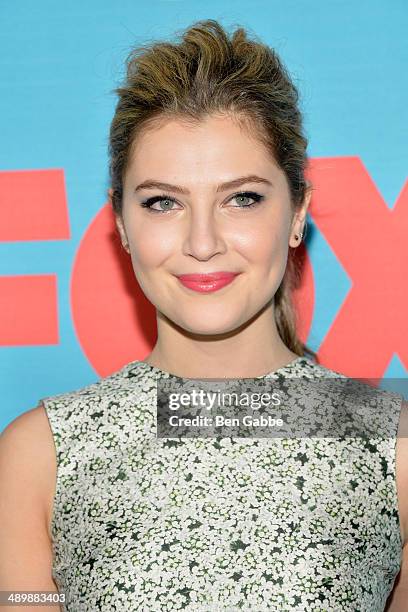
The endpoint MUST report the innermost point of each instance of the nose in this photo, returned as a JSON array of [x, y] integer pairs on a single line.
[[203, 234]]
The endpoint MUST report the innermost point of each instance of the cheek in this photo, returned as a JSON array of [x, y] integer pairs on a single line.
[[151, 246], [263, 245]]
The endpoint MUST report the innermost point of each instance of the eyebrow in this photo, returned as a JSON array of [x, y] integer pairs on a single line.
[[252, 178]]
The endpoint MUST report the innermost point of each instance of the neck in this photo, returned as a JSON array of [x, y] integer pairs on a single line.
[[253, 350]]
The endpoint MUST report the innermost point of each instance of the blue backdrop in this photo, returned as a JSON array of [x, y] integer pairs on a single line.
[[59, 64]]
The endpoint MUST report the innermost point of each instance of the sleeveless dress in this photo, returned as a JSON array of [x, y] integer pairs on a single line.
[[233, 524]]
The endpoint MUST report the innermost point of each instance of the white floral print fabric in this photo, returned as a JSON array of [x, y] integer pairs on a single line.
[[216, 524]]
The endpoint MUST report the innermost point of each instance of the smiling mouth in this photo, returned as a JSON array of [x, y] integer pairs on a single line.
[[206, 283]]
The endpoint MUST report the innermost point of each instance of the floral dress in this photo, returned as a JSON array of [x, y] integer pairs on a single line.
[[217, 524]]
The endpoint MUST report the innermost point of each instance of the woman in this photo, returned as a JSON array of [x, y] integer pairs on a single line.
[[210, 201]]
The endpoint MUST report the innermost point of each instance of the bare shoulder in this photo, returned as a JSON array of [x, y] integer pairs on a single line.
[[26, 427], [397, 602], [401, 469], [27, 485], [27, 454]]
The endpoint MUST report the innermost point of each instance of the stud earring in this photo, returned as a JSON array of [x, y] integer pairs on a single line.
[[301, 234]]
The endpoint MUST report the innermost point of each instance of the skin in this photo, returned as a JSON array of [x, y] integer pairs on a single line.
[[198, 334], [231, 332]]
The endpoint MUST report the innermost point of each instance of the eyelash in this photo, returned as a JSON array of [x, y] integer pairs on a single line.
[[248, 194]]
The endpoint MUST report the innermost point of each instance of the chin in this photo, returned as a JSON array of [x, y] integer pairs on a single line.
[[208, 326]]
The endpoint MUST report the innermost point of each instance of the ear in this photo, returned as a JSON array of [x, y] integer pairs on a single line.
[[299, 218], [119, 224]]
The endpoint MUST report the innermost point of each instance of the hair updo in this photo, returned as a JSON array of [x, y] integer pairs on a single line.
[[207, 72]]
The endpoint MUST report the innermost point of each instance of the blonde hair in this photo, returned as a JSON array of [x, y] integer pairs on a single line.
[[208, 72]]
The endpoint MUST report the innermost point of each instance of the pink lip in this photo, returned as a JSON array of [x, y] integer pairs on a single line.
[[205, 283]]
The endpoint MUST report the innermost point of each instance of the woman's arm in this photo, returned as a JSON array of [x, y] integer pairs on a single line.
[[398, 600], [27, 484]]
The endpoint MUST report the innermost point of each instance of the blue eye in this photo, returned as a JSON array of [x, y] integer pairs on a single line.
[[162, 198], [169, 201], [251, 195]]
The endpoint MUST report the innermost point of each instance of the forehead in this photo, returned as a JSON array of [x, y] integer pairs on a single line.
[[218, 146]]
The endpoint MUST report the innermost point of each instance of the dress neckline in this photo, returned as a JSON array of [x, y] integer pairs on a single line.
[[282, 370]]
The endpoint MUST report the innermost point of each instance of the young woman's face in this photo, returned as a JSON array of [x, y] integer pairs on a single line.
[[210, 227]]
